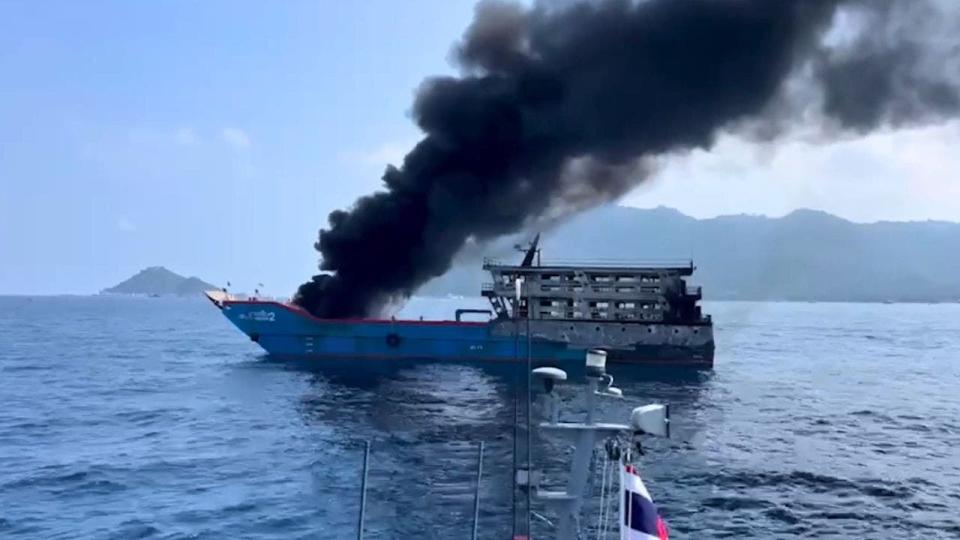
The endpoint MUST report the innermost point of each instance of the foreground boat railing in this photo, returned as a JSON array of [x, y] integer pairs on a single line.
[[476, 494], [363, 490]]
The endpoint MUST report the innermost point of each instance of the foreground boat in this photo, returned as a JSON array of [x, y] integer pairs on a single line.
[[547, 500], [638, 314]]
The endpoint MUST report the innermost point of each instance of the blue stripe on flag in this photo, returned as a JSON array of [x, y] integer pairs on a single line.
[[640, 514]]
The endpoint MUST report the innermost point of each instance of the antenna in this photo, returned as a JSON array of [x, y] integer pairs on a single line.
[[531, 251]]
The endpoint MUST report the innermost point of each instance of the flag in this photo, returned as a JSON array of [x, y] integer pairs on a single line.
[[639, 519]]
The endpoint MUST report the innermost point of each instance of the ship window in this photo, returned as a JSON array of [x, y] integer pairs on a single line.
[[649, 329], [571, 327], [696, 330], [623, 328], [598, 329], [676, 331]]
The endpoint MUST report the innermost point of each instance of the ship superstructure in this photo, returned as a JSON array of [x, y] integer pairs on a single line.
[[595, 292], [637, 312]]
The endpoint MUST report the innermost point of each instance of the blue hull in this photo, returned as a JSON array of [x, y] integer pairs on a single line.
[[287, 331]]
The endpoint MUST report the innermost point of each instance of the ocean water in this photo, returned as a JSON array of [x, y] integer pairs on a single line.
[[154, 418]]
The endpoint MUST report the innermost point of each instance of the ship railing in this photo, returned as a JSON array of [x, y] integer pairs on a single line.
[[655, 264], [364, 472], [621, 263], [694, 291]]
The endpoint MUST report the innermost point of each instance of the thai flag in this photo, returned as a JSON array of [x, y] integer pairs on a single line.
[[639, 519]]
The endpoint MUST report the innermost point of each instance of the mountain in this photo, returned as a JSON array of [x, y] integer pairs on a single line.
[[159, 280], [806, 255]]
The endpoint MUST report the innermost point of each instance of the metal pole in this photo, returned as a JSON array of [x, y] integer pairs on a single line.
[[476, 496], [516, 412], [529, 420], [363, 489], [591, 396]]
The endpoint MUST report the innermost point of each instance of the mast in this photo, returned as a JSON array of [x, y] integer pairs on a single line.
[[646, 420]]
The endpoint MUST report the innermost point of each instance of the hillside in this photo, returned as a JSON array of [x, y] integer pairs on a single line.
[[157, 280], [806, 255]]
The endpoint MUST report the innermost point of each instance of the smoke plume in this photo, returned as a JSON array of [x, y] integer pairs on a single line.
[[561, 107]]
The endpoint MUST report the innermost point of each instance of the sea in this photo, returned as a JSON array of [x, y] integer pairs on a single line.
[[125, 418]]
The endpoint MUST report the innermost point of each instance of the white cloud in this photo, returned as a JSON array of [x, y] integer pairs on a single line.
[[125, 225], [186, 136], [235, 137]]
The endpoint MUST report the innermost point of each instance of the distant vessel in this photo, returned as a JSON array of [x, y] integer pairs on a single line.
[[638, 314]]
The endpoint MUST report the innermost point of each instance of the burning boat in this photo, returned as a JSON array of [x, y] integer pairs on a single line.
[[639, 314]]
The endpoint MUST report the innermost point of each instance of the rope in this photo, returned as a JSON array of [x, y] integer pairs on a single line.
[[609, 512], [603, 494]]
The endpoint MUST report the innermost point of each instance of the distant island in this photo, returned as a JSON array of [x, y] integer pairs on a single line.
[[806, 255], [157, 280]]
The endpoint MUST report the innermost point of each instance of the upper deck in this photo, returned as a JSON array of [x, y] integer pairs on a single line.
[[651, 291]]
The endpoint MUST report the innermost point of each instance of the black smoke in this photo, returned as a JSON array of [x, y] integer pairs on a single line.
[[561, 107]]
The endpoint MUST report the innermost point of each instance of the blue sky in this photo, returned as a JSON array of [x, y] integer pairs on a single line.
[[214, 137], [210, 137]]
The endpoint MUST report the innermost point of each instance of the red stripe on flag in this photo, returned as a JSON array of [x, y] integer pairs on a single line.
[[662, 529]]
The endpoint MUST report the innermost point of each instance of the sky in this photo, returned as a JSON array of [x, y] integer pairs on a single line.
[[214, 137]]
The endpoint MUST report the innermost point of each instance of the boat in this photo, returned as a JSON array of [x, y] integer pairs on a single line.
[[642, 314], [548, 501]]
